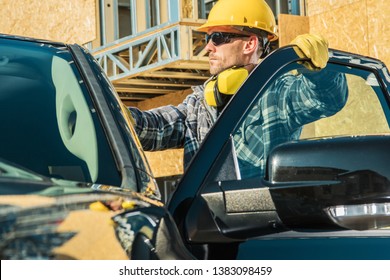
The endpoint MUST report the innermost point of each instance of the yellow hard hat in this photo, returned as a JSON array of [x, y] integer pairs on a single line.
[[253, 15]]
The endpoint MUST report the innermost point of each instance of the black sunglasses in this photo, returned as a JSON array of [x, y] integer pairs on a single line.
[[218, 38]]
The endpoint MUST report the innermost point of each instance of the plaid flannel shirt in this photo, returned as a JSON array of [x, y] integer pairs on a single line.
[[183, 126], [280, 113], [290, 102]]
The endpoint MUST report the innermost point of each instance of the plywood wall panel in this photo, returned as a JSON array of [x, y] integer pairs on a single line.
[[166, 163], [378, 16], [72, 21], [344, 27], [174, 98], [291, 26], [315, 7]]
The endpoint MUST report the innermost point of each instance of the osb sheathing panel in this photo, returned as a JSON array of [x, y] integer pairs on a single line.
[[354, 26], [378, 14], [174, 98], [166, 163], [315, 7], [291, 26], [344, 27], [71, 21]]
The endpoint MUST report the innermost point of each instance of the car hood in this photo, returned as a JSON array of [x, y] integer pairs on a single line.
[[65, 220]]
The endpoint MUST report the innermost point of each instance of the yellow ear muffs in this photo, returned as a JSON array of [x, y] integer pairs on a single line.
[[220, 88], [209, 92]]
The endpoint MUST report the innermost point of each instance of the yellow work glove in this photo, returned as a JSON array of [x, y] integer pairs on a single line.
[[314, 47]]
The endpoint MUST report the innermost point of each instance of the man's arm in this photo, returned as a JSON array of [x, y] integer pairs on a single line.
[[312, 96], [160, 128]]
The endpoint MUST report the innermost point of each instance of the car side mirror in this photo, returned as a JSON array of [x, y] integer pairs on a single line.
[[335, 182]]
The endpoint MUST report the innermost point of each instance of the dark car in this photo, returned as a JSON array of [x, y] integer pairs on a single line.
[[324, 195]]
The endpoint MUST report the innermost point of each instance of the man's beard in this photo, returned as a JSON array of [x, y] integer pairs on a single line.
[[218, 69]]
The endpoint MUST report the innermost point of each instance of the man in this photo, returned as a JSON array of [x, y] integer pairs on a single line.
[[238, 35]]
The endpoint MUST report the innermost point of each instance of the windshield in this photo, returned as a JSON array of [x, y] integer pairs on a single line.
[[10, 171], [49, 124]]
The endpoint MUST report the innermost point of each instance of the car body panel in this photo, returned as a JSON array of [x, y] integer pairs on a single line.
[[358, 246], [61, 227]]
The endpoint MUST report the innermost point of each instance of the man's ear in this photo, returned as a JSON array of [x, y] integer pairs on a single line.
[[251, 45]]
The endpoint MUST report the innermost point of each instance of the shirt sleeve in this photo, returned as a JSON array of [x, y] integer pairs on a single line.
[[161, 128], [307, 97]]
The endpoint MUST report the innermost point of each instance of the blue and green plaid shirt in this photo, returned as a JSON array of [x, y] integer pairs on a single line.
[[278, 116]]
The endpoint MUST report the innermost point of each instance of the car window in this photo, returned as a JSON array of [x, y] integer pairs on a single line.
[[361, 115], [49, 123], [357, 107]]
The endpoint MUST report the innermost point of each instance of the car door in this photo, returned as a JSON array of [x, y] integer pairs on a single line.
[[320, 192]]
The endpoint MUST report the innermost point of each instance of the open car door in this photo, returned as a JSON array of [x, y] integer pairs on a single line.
[[324, 194]]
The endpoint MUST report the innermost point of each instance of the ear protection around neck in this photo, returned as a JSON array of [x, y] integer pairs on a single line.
[[220, 88]]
